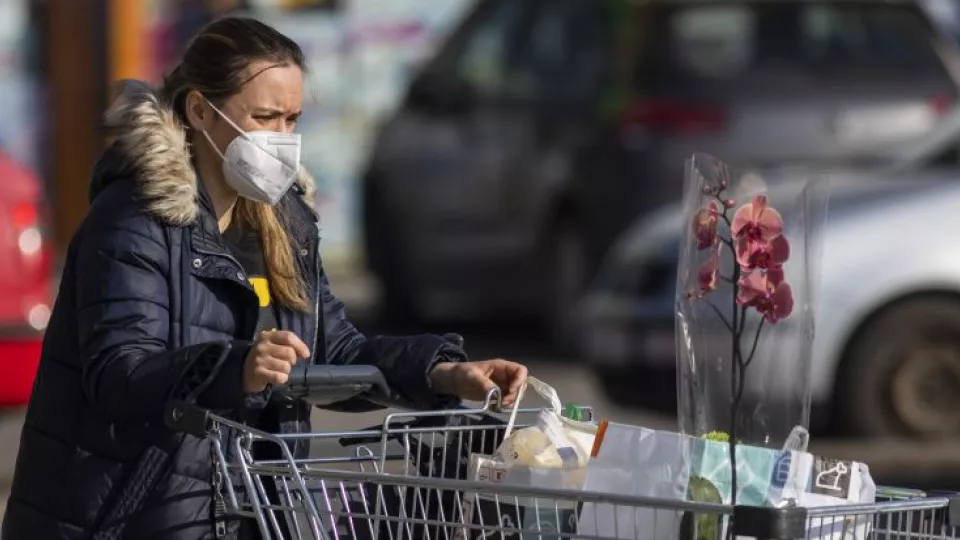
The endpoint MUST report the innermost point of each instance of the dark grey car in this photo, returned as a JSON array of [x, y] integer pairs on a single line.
[[542, 128]]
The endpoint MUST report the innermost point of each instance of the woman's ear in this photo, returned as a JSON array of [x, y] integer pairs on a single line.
[[197, 111]]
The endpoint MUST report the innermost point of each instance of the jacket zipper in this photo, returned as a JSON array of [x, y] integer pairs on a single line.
[[219, 504], [316, 300], [220, 528]]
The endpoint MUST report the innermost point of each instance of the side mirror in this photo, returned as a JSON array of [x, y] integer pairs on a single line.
[[438, 94]]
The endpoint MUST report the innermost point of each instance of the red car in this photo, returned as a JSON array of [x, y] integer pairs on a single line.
[[26, 263]]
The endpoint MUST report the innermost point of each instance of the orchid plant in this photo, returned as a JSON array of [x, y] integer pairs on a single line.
[[753, 235]]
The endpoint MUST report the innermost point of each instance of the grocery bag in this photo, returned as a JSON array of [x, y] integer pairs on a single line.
[[643, 462], [638, 462], [552, 454]]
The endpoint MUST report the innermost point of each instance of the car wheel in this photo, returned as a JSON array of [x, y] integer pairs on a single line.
[[396, 307], [567, 268], [901, 377]]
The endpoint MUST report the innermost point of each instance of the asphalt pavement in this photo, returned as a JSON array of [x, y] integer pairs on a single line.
[[929, 465]]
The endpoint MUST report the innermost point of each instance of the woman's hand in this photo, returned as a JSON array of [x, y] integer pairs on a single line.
[[271, 358], [472, 380]]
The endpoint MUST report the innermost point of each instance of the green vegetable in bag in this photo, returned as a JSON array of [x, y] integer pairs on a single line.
[[701, 526]]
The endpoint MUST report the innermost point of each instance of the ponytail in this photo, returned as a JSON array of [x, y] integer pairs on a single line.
[[286, 283]]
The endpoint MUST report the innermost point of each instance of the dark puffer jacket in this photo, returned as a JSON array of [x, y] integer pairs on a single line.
[[148, 295]]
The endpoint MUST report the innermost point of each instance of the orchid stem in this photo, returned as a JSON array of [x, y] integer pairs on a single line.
[[743, 325], [726, 220], [734, 372], [719, 315], [756, 340]]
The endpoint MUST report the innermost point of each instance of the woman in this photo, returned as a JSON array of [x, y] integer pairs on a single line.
[[200, 243]]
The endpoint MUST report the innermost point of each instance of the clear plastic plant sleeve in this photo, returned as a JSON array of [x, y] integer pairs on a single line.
[[774, 388]]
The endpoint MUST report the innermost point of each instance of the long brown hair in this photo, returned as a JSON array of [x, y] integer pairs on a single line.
[[215, 64]]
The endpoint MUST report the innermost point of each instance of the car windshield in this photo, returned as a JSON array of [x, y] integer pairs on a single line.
[[718, 42]]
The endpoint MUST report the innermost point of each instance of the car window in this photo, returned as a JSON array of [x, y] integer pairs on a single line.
[[887, 37], [713, 41], [562, 52], [480, 55], [722, 42]]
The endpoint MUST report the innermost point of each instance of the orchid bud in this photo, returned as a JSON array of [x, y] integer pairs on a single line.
[[707, 190], [729, 203]]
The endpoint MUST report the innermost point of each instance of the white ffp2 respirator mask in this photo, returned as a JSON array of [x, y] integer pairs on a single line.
[[260, 165]]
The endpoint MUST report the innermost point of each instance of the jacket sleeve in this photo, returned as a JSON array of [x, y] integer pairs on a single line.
[[405, 362], [123, 314]]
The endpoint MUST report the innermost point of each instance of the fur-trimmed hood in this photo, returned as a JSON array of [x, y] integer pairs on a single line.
[[151, 145]]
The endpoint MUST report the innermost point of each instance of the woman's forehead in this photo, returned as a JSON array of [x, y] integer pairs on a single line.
[[272, 87]]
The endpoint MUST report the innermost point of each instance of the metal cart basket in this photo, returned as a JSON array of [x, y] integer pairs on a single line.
[[407, 479]]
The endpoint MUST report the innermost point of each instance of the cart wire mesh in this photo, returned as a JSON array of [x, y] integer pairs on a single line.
[[409, 480]]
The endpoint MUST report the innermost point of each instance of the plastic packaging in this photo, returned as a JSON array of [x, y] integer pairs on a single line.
[[554, 441], [751, 355]]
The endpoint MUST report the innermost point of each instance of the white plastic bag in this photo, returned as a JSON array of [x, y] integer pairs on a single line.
[[554, 442], [640, 462], [552, 454]]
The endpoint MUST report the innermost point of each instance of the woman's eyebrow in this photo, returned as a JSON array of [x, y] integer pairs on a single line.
[[271, 110]]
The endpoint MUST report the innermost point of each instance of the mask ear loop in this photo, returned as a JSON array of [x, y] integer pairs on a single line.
[[228, 120], [212, 145]]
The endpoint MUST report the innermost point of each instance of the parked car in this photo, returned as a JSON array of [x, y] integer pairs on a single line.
[[25, 279], [886, 356], [541, 129]]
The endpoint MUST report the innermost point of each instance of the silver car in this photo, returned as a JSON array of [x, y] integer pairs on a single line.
[[886, 357]]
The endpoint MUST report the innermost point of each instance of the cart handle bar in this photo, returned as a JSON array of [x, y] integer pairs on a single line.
[[328, 384]]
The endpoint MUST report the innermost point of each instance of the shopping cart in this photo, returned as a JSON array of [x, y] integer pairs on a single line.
[[407, 480]]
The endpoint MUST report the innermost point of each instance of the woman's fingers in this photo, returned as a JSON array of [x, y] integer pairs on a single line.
[[507, 375], [516, 374], [273, 370], [274, 377], [280, 352], [271, 359], [278, 365], [288, 339]]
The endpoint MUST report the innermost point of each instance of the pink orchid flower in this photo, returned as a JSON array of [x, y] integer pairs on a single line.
[[767, 293], [752, 254], [709, 272], [757, 221], [705, 225]]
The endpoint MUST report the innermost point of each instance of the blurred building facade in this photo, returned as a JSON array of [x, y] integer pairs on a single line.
[[58, 59]]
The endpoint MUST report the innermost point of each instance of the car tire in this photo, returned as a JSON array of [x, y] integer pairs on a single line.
[[396, 307], [901, 376], [567, 268]]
